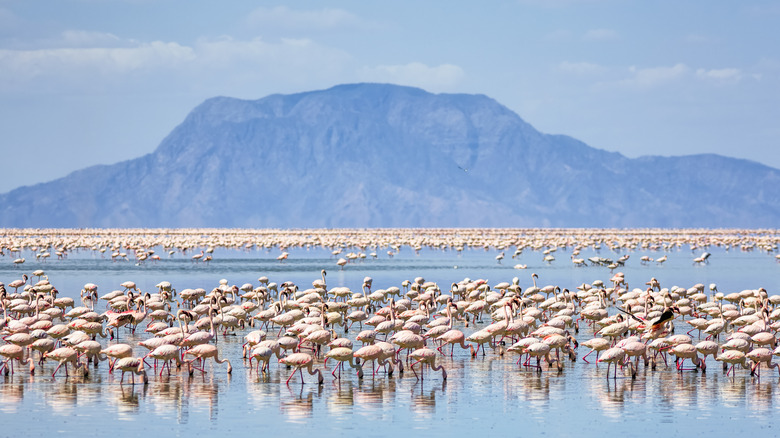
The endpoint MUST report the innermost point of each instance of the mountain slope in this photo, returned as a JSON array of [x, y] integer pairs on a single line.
[[372, 155]]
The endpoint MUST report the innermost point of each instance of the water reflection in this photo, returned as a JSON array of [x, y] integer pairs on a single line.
[[300, 404], [476, 387], [373, 392], [128, 400], [423, 403], [61, 396], [341, 397], [12, 394]]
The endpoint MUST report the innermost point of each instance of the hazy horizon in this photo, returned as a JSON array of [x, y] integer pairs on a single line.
[[87, 83]]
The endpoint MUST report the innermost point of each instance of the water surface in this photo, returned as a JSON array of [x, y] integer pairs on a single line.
[[490, 394]]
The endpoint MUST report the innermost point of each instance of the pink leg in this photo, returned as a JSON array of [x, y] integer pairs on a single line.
[[583, 358]]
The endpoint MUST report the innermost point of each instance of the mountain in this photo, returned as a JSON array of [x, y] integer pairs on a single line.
[[374, 155]]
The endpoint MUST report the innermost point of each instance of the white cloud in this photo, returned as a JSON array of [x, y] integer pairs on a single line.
[[26, 65], [223, 64], [600, 35], [439, 78], [581, 68], [723, 74], [83, 38], [291, 19], [654, 76]]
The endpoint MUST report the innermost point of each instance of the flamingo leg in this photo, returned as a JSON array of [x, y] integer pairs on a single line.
[[58, 367], [415, 372], [583, 358], [291, 376]]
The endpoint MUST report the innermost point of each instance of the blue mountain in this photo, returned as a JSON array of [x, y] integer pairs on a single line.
[[378, 155]]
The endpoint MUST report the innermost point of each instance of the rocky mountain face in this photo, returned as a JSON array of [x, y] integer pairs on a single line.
[[373, 155]]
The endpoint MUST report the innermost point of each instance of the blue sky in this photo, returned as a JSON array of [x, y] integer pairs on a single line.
[[86, 82]]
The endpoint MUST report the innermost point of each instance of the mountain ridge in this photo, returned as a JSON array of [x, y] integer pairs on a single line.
[[379, 155]]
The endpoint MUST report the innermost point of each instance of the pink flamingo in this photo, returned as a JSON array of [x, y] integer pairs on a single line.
[[299, 361]]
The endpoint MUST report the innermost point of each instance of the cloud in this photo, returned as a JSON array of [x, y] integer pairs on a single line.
[[654, 76], [439, 78], [282, 17], [600, 35], [83, 61], [581, 68], [83, 38], [29, 64], [723, 74]]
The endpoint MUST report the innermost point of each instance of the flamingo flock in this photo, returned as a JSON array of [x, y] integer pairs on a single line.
[[402, 329]]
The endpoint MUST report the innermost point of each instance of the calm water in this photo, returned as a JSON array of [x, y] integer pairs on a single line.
[[483, 395]]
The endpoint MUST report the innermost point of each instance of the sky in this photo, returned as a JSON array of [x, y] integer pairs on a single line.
[[86, 82]]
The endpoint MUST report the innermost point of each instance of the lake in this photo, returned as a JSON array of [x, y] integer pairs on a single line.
[[483, 395]]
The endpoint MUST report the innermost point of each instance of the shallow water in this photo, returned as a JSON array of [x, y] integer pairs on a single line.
[[488, 394]]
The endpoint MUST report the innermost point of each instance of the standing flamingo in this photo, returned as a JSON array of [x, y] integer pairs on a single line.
[[205, 351], [426, 356], [614, 356], [14, 352], [299, 361], [342, 355], [134, 365], [65, 355]]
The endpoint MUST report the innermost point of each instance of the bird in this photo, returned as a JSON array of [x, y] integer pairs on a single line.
[[263, 351], [65, 356], [454, 337], [685, 351], [733, 357], [14, 352], [613, 356], [426, 356], [372, 352], [166, 353], [134, 365], [205, 351], [300, 361], [116, 351], [343, 355], [595, 344]]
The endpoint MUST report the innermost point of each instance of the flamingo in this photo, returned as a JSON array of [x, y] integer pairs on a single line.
[[166, 353], [263, 351], [14, 352], [299, 361], [595, 344], [613, 356], [426, 356], [205, 351], [372, 352], [116, 351], [65, 355], [759, 356], [685, 351], [134, 365], [342, 355], [733, 357]]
